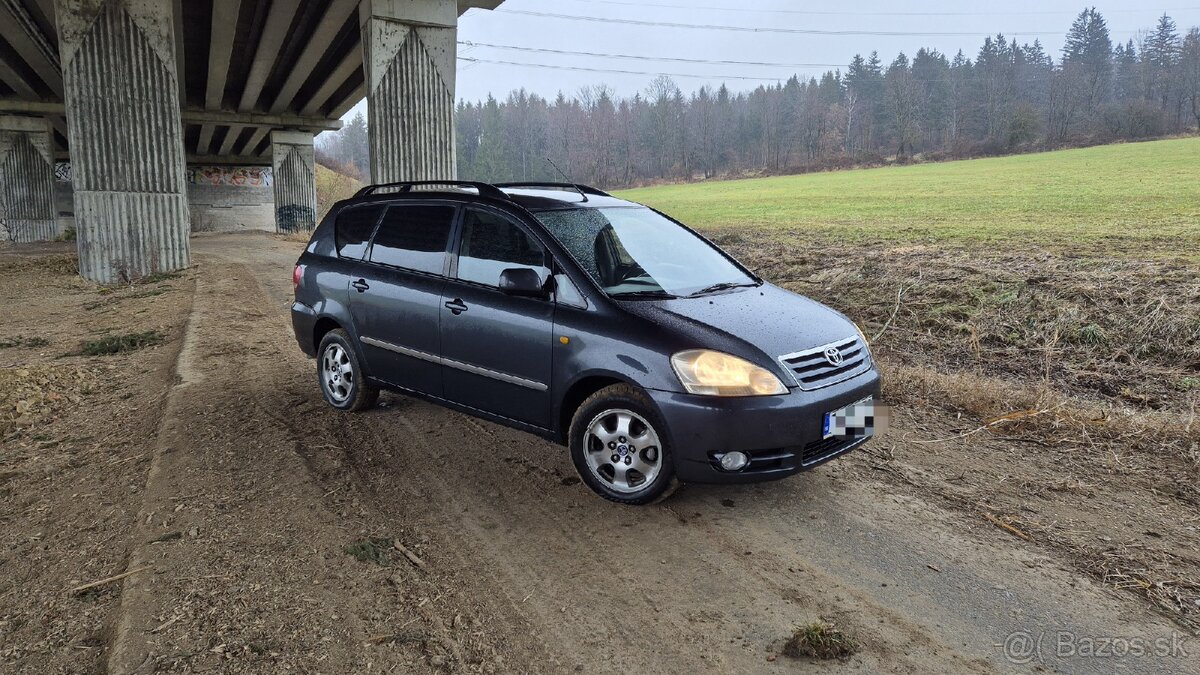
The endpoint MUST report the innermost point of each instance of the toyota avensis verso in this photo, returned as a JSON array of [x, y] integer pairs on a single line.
[[600, 324]]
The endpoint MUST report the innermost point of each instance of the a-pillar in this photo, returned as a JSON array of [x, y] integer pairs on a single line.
[[295, 179], [27, 211], [127, 158], [409, 54]]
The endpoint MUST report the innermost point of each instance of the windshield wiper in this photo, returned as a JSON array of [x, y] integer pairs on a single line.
[[723, 286], [656, 295]]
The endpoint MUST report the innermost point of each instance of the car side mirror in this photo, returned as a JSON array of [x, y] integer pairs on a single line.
[[522, 282]]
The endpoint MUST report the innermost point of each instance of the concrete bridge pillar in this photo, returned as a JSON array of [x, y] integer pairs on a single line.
[[409, 55], [295, 181], [127, 157], [27, 211]]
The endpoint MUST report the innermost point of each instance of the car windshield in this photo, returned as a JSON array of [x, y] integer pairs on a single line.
[[634, 252]]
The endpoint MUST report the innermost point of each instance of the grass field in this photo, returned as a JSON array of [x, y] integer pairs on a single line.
[[1136, 191]]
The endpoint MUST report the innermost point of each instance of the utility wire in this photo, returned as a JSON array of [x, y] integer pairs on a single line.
[[711, 62], [469, 59], [749, 29], [813, 12], [473, 60]]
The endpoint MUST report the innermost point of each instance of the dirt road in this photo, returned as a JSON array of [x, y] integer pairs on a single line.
[[257, 489]]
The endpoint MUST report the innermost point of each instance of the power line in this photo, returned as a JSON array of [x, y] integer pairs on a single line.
[[473, 60], [711, 62], [470, 59], [792, 31], [813, 12], [749, 29]]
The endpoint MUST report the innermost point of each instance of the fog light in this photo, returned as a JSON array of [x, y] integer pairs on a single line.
[[734, 461]]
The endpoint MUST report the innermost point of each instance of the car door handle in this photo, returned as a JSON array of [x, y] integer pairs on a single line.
[[456, 306], [361, 285]]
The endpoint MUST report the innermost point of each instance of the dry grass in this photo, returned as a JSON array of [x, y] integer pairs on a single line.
[[1050, 395], [820, 640], [30, 393], [43, 264], [1035, 457], [1123, 330]]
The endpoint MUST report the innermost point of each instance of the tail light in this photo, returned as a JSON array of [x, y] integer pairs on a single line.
[[297, 276]]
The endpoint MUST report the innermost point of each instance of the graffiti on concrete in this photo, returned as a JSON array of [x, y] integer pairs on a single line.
[[295, 218], [233, 176], [236, 176]]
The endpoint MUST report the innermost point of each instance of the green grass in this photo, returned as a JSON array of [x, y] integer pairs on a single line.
[[1131, 192], [375, 550], [116, 344]]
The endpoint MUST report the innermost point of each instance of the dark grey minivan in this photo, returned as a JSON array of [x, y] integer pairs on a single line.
[[591, 321]]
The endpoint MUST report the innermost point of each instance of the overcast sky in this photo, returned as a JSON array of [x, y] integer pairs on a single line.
[[966, 23]]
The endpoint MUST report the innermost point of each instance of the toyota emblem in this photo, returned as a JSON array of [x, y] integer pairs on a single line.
[[834, 356]]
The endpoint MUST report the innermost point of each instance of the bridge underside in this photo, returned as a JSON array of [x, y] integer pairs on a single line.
[[144, 97]]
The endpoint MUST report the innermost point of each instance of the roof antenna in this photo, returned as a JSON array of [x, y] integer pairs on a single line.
[[568, 180]]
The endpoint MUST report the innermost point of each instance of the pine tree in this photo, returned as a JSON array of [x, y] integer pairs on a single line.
[[1161, 55], [1087, 64], [1125, 73], [1189, 64]]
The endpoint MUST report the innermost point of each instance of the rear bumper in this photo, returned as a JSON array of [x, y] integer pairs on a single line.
[[304, 323], [781, 434]]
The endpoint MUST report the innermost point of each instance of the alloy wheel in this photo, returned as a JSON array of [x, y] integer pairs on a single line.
[[337, 373], [623, 450]]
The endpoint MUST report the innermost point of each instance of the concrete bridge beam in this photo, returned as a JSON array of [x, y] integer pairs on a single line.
[[27, 211], [294, 166], [127, 155], [409, 56]]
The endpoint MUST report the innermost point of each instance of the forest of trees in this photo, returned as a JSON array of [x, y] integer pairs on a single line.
[[1010, 97]]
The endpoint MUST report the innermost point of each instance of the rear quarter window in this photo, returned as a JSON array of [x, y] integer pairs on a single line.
[[414, 236], [353, 230]]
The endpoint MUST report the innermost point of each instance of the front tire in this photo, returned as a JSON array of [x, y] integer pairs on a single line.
[[619, 447], [340, 375]]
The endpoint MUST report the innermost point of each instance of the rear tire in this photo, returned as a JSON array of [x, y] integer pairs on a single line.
[[619, 447], [341, 376]]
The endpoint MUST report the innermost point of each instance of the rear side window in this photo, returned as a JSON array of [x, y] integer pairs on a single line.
[[413, 237], [353, 230], [492, 244]]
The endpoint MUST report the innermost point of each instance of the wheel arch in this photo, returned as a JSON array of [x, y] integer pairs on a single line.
[[577, 393], [324, 325]]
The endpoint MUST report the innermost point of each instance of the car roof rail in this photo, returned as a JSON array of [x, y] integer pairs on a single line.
[[485, 189], [561, 186]]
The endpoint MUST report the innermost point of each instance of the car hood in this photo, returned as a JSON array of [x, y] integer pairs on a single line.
[[768, 320]]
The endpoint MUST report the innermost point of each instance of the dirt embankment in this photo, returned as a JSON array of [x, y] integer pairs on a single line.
[[74, 448]]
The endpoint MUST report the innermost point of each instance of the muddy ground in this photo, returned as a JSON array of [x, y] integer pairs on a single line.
[[1018, 492]]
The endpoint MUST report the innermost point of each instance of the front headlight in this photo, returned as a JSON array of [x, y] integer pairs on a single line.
[[709, 373]]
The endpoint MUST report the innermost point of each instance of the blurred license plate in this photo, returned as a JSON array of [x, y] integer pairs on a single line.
[[856, 419]]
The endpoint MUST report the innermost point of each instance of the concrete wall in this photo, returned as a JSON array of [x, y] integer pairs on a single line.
[[215, 205], [226, 208]]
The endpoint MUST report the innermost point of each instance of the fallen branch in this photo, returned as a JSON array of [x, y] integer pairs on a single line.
[[1010, 417], [412, 557], [895, 311], [1006, 527], [109, 580]]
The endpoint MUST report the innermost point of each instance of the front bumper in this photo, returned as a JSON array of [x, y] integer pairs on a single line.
[[781, 434]]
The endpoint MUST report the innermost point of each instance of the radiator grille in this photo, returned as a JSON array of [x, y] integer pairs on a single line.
[[828, 364]]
